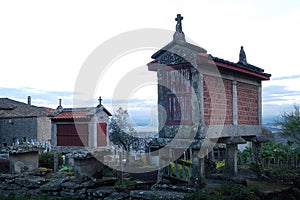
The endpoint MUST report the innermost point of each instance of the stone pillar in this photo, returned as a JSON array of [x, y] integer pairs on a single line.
[[160, 101], [55, 161], [53, 134], [231, 160], [234, 104], [92, 137], [259, 104], [198, 170], [256, 163], [164, 158]]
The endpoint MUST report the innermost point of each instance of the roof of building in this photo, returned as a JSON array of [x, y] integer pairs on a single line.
[[77, 113], [10, 108], [179, 52], [243, 66]]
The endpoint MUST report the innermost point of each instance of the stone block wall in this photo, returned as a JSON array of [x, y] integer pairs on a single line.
[[13, 128], [22, 162], [43, 128]]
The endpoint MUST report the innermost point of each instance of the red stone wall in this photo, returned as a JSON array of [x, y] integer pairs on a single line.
[[247, 104], [217, 101]]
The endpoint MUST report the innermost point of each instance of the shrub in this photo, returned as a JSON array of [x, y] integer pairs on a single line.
[[46, 160], [236, 192]]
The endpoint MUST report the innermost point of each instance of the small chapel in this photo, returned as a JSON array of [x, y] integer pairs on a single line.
[[205, 101]]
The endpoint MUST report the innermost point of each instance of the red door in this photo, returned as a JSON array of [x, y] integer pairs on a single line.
[[101, 134], [71, 135]]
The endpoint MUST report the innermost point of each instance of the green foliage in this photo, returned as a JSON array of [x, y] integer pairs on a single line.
[[245, 155], [289, 123], [270, 150], [47, 160], [280, 151], [236, 192], [173, 170], [201, 195], [228, 192], [220, 164], [218, 167]]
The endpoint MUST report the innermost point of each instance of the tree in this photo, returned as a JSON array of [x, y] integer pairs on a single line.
[[289, 123], [121, 133]]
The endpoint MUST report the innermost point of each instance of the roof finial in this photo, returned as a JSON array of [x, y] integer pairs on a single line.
[[100, 101], [243, 59], [179, 18], [179, 35]]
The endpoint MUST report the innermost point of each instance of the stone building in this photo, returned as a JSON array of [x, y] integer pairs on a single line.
[[23, 122], [79, 127], [205, 100]]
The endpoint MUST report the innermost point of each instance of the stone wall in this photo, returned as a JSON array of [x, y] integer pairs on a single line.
[[43, 129], [13, 128], [25, 161], [62, 184]]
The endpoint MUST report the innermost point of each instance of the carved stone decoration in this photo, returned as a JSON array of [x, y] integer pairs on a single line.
[[178, 55], [170, 58]]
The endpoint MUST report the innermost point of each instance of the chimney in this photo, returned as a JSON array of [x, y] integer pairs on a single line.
[[29, 100], [59, 104]]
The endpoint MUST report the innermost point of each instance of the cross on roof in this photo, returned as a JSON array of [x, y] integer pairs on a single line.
[[179, 18], [100, 100]]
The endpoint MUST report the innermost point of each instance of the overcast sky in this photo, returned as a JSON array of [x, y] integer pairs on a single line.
[[43, 44]]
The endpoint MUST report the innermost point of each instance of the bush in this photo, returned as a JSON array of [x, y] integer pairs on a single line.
[[46, 160], [219, 166], [236, 192]]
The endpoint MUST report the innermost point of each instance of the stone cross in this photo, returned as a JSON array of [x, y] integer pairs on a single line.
[[179, 18], [100, 100]]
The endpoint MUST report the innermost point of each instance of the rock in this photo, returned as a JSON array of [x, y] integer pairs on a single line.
[[239, 180], [30, 182], [90, 184], [101, 192], [35, 192], [6, 194], [117, 196], [10, 187], [68, 195], [150, 195], [81, 194], [54, 185], [70, 185]]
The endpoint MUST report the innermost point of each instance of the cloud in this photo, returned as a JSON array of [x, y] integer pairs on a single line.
[[38, 97], [287, 77], [278, 99]]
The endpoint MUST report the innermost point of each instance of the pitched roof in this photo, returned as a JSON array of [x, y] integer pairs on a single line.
[[77, 113], [72, 115], [242, 67], [176, 53], [11, 108]]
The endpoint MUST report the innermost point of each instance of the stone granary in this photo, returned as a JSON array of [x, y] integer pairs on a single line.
[[204, 100], [23, 122], [79, 127]]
